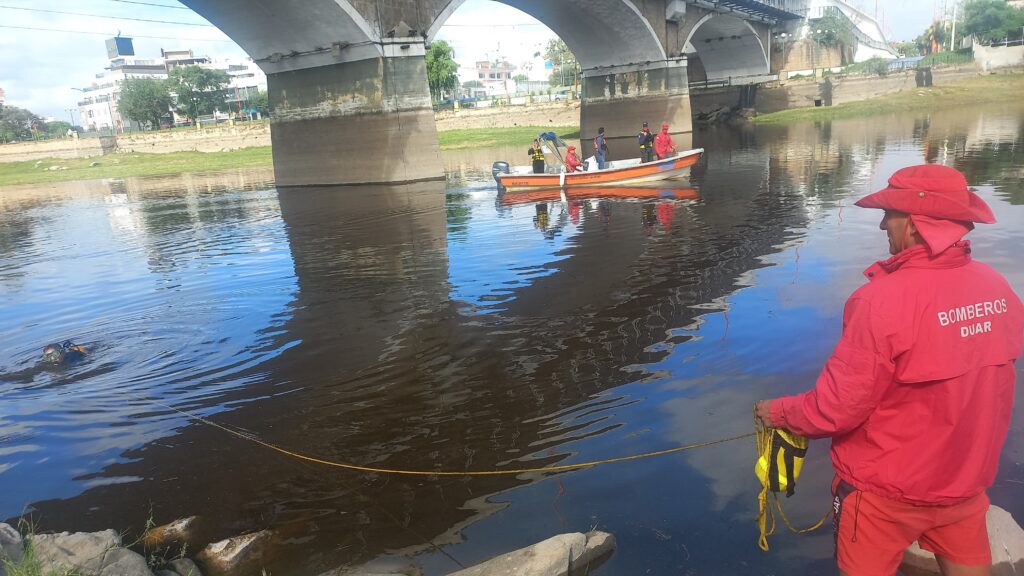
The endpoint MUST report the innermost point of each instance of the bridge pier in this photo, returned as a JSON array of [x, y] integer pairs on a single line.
[[363, 122], [621, 98]]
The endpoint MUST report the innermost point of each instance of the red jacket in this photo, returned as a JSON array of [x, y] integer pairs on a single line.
[[918, 392], [663, 145]]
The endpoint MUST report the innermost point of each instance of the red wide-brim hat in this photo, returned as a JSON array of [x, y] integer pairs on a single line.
[[931, 190]]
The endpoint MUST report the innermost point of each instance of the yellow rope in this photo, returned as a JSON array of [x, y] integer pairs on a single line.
[[765, 511], [560, 468]]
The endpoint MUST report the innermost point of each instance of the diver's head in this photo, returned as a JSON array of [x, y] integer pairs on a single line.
[[54, 354]]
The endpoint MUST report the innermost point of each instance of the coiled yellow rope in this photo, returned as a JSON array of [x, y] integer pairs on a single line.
[[765, 510]]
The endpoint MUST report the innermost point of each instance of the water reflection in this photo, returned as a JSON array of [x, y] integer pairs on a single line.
[[440, 327]]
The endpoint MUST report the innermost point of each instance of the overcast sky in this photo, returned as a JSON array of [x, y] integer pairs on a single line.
[[39, 68]]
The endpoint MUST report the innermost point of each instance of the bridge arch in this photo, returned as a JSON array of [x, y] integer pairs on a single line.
[[280, 38], [599, 32], [726, 47]]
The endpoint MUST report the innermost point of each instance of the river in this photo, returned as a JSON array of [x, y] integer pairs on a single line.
[[439, 326]]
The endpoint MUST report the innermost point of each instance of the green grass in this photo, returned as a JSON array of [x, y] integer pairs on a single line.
[[1003, 88], [484, 138], [141, 164], [132, 164]]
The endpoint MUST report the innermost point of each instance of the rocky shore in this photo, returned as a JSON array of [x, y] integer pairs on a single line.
[[106, 554]]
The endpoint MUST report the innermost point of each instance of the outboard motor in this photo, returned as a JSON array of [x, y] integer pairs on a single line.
[[499, 167]]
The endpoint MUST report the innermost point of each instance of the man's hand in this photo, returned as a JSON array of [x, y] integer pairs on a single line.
[[762, 409]]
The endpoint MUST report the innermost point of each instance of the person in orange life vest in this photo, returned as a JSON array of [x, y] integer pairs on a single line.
[[537, 155], [572, 163], [917, 394], [664, 147], [646, 141]]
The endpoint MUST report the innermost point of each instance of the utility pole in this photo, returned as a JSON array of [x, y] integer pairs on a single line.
[[952, 39]]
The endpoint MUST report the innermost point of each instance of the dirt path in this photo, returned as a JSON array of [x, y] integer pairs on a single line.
[[556, 114]]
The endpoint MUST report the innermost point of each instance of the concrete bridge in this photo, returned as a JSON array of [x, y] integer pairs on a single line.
[[347, 78]]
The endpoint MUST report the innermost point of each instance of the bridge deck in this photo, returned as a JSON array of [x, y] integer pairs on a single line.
[[773, 9]]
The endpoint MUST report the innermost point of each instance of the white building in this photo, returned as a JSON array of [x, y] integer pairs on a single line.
[[98, 108], [496, 78]]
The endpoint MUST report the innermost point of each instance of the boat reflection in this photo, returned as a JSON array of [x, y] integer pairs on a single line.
[[584, 193]]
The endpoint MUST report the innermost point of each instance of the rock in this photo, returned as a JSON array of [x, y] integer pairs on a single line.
[[54, 168], [184, 567], [97, 553], [1006, 539], [93, 164], [124, 562], [234, 555], [11, 545], [551, 557], [175, 533]]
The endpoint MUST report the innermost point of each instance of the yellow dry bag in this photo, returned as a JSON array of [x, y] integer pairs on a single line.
[[781, 458]]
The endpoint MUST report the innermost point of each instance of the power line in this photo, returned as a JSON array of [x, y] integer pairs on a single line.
[[151, 4], [109, 34], [102, 16]]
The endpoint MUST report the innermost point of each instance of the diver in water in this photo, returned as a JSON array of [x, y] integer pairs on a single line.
[[64, 353]]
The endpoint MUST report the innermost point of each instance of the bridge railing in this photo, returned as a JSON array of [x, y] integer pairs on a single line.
[[735, 81]]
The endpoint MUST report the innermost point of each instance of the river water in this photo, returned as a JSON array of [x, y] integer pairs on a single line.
[[442, 327]]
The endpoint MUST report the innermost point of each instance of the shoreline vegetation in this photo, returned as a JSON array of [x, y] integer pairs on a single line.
[[136, 164], [988, 89]]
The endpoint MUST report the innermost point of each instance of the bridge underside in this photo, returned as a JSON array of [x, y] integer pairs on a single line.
[[347, 78]]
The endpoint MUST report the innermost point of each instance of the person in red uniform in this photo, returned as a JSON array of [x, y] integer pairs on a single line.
[[917, 394], [663, 144], [572, 163]]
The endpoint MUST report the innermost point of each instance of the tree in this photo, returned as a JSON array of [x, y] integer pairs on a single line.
[[56, 129], [259, 102], [933, 38], [145, 100], [907, 48], [992, 20], [520, 78], [834, 30], [472, 84], [199, 90], [16, 124], [563, 61], [442, 71]]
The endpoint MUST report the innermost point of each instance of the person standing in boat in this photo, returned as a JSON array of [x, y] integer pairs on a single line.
[[600, 148], [664, 147], [646, 141], [572, 162], [538, 157]]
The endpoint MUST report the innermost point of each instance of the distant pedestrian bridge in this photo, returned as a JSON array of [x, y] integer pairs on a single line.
[[347, 78]]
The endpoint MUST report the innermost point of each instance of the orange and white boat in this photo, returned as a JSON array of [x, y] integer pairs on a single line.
[[617, 173]]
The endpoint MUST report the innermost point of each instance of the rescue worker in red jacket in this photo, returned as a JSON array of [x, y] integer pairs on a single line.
[[664, 147], [572, 163], [917, 394]]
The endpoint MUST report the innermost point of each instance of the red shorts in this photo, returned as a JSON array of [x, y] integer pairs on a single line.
[[872, 532]]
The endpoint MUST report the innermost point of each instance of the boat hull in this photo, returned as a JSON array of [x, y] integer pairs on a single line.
[[666, 169]]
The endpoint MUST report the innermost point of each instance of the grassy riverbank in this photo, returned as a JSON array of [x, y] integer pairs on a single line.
[[991, 89], [520, 135], [139, 164]]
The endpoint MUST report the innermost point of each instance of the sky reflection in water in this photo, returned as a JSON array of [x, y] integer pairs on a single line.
[[434, 327]]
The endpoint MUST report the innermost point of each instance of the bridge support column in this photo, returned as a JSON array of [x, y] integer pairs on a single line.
[[621, 98], [362, 122]]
